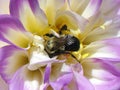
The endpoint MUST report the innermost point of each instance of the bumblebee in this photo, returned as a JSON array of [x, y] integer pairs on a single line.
[[64, 44]]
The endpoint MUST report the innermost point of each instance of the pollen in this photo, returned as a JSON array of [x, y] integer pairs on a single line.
[[103, 27], [85, 55]]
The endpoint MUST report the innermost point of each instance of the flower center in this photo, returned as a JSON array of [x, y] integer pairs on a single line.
[[54, 45], [61, 45], [63, 42]]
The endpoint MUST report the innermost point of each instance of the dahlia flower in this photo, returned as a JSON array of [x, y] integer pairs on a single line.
[[31, 61]]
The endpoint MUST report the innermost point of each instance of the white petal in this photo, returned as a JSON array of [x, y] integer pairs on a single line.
[[3, 85], [25, 79], [92, 8]]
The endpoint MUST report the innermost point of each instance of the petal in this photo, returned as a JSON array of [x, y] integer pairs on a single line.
[[112, 8], [106, 49], [47, 73], [110, 29], [71, 19], [56, 69], [24, 79], [92, 8], [82, 82], [59, 84], [95, 68], [102, 74], [68, 81], [59, 77], [11, 30], [30, 14], [78, 6], [3, 85], [11, 59], [2, 44], [50, 8], [4, 6], [94, 22], [62, 81], [118, 13], [108, 66], [57, 4], [111, 85]]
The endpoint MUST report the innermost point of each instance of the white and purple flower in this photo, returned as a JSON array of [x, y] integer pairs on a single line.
[[25, 65]]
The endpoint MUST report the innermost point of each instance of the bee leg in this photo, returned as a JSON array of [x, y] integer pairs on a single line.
[[64, 27], [71, 55], [49, 35], [52, 34], [53, 54], [49, 54]]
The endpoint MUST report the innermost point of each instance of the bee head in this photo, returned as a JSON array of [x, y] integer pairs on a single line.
[[72, 43]]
